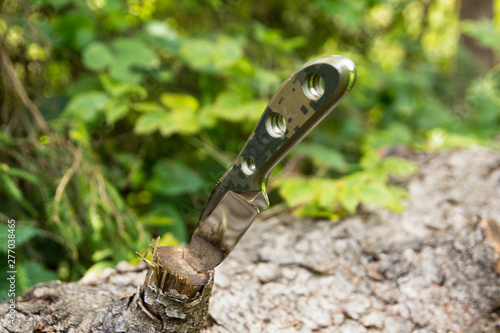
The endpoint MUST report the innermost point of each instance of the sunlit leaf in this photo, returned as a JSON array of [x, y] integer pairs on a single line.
[[483, 31], [155, 219], [99, 267], [349, 200], [209, 56], [370, 160], [97, 56], [295, 191], [182, 101], [231, 107], [163, 34], [148, 107], [168, 239], [374, 193], [396, 133], [183, 121], [148, 122], [134, 51], [115, 110], [399, 166], [86, 106]]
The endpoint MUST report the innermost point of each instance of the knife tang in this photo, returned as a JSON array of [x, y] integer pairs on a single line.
[[303, 100]]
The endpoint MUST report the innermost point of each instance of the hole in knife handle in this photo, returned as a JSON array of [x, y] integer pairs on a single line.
[[248, 166], [314, 86], [276, 125]]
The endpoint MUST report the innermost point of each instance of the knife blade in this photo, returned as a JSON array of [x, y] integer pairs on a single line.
[[307, 96]]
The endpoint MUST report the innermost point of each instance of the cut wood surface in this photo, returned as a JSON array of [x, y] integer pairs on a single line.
[[428, 269]]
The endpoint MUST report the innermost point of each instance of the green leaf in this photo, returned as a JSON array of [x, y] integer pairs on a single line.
[[484, 31], [232, 107], [148, 123], [19, 173], [349, 200], [374, 193], [116, 109], [120, 70], [396, 133], [11, 187], [173, 178], [399, 166], [23, 234], [349, 190], [182, 117], [326, 191], [370, 160], [97, 56], [155, 219], [183, 121], [213, 57], [134, 51], [168, 239], [73, 30], [323, 156], [86, 106], [295, 191], [147, 107], [99, 267], [101, 255], [37, 273], [181, 101], [163, 34]]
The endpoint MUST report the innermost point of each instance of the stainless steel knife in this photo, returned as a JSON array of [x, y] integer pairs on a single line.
[[303, 100]]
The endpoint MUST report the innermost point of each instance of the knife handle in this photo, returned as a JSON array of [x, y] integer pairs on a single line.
[[303, 100]]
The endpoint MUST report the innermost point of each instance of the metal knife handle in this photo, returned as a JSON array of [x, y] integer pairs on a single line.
[[304, 99]]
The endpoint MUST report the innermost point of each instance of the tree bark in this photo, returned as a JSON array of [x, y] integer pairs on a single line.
[[428, 269], [167, 301]]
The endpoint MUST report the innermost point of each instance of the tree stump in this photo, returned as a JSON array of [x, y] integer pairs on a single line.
[[173, 298], [428, 269]]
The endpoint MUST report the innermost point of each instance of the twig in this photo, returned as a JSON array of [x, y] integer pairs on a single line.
[[60, 190], [218, 155], [18, 89]]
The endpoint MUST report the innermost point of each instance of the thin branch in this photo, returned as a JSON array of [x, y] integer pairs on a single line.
[[18, 89], [216, 154], [59, 193]]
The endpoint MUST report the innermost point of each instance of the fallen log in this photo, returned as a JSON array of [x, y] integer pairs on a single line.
[[432, 268], [429, 269]]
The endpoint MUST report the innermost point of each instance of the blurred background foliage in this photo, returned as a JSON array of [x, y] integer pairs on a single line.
[[127, 112]]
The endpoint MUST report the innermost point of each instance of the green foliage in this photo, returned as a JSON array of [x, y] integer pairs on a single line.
[[149, 102], [484, 31], [172, 178], [333, 198]]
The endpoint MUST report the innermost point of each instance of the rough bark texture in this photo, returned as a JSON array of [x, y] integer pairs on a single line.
[[109, 302], [429, 269]]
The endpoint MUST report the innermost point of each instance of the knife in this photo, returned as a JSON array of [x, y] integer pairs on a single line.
[[303, 100]]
